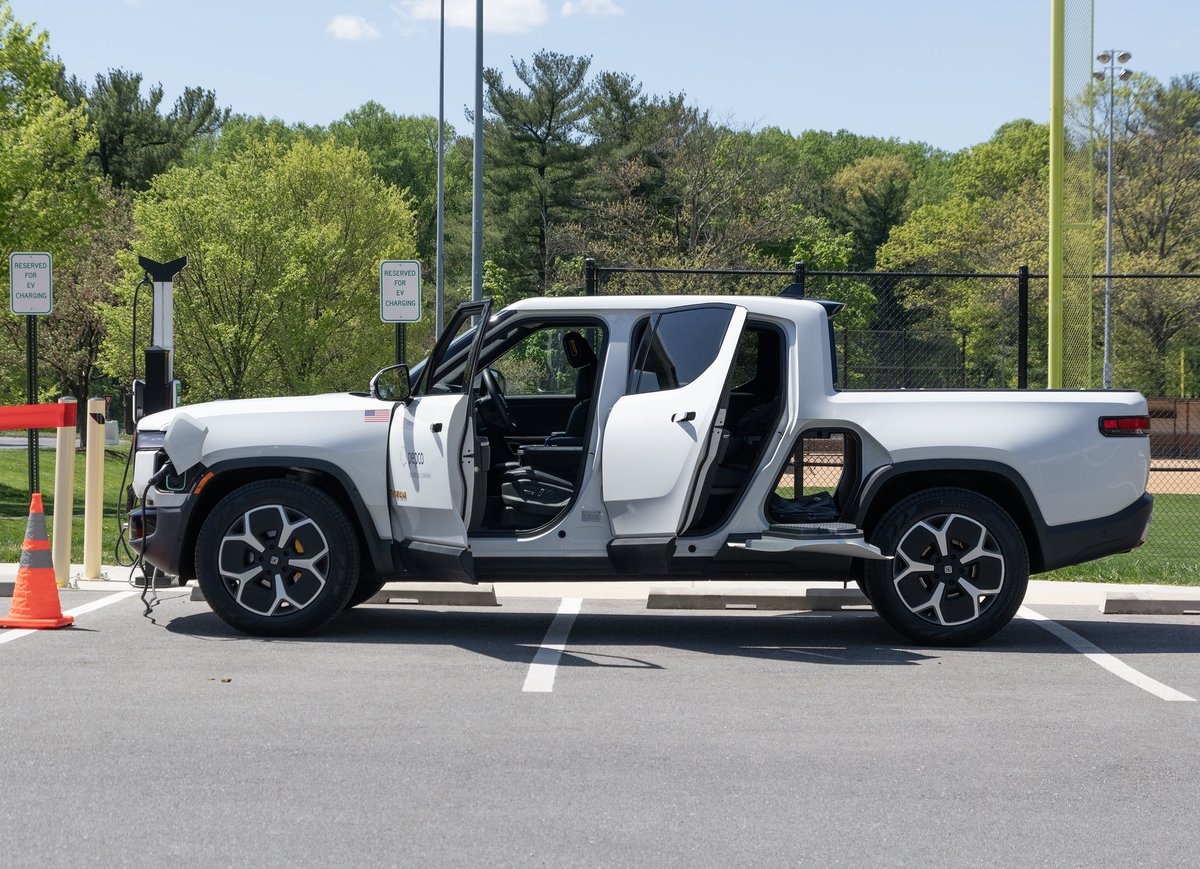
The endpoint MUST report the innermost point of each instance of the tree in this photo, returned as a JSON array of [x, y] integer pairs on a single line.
[[46, 190], [76, 330], [1156, 220], [538, 160], [281, 290], [134, 140], [872, 197], [403, 152]]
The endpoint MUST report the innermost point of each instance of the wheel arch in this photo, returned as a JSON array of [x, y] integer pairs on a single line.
[[329, 478], [993, 480]]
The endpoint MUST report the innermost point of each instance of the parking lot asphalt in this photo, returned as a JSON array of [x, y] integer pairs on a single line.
[[447, 737]]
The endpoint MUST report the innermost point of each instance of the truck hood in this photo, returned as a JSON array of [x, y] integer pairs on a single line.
[[294, 426]]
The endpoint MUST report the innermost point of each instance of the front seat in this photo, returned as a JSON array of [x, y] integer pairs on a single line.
[[582, 358]]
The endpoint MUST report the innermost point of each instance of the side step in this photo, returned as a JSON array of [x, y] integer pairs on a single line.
[[826, 538], [422, 594]]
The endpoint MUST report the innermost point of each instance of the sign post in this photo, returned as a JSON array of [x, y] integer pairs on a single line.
[[400, 298], [31, 295]]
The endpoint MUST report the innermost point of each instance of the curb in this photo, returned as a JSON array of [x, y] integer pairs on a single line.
[[421, 594], [1157, 604], [813, 599]]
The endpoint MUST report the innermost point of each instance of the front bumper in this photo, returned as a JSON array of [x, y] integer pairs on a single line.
[[157, 534], [1064, 545]]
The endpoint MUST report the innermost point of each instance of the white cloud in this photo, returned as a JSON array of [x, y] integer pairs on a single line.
[[351, 27], [499, 16], [591, 7]]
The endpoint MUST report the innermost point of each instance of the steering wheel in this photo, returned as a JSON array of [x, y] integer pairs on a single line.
[[492, 405]]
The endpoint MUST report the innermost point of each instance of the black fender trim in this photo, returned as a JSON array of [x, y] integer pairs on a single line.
[[882, 476], [438, 561], [650, 556], [379, 549]]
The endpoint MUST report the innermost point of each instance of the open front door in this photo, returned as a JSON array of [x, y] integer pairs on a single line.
[[666, 432], [433, 453]]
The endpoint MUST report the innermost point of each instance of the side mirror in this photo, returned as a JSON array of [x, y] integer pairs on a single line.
[[392, 384]]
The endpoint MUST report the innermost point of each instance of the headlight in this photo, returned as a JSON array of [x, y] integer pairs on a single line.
[[149, 440]]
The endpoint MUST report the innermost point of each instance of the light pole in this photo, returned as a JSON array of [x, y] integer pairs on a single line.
[[1113, 61], [440, 286]]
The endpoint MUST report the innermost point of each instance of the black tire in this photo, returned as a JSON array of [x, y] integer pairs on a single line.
[[256, 564], [369, 582], [960, 568]]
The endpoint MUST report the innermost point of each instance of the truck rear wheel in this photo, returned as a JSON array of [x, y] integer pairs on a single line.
[[277, 558], [959, 572]]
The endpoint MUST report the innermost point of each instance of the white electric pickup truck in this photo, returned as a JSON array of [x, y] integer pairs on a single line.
[[636, 437]]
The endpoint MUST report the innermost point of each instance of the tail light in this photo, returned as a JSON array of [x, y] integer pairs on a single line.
[[1124, 426]]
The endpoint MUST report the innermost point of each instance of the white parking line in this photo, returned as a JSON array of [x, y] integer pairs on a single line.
[[541, 672], [83, 609], [1114, 665]]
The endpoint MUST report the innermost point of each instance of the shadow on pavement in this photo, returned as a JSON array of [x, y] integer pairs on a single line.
[[604, 640]]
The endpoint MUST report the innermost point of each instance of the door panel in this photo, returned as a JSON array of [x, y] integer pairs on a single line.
[[429, 487], [656, 442], [432, 453]]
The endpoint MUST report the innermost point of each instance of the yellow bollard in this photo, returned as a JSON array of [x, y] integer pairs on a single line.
[[64, 499], [93, 492]]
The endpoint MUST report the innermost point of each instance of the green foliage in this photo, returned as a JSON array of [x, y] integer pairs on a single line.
[[47, 194], [403, 152], [134, 140], [281, 291], [537, 160]]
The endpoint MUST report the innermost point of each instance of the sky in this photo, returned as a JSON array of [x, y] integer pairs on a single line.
[[946, 72]]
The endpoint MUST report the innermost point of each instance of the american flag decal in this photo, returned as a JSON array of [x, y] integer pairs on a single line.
[[376, 415]]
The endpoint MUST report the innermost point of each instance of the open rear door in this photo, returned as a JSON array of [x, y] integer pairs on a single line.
[[433, 451], [666, 432]]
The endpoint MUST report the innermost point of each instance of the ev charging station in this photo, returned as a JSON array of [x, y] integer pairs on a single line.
[[159, 388]]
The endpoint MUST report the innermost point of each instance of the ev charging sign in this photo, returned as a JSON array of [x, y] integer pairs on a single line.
[[30, 284], [400, 291]]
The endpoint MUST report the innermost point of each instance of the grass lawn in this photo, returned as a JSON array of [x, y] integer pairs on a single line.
[[14, 498], [1171, 555]]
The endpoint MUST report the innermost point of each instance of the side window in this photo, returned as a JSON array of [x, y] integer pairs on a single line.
[[450, 370], [675, 348], [539, 363]]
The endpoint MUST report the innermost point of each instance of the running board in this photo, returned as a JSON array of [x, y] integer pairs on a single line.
[[828, 538]]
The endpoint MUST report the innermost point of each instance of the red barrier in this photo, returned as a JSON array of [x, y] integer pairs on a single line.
[[38, 416]]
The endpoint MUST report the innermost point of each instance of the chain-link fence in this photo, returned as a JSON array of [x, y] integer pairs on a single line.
[[903, 330]]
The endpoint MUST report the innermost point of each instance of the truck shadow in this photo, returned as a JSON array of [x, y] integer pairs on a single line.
[[629, 640]]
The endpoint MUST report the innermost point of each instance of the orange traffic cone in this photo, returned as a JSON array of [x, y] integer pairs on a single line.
[[35, 596]]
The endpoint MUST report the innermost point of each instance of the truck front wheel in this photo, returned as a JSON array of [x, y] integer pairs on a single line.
[[959, 569], [277, 558]]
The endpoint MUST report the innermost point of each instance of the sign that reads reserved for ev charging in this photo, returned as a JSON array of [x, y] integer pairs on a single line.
[[30, 283], [399, 291]]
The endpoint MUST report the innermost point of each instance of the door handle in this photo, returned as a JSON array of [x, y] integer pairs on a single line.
[[683, 417], [436, 427]]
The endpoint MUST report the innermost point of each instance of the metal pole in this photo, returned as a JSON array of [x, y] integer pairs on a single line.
[[477, 174], [1022, 327], [400, 343], [31, 393], [799, 273], [1054, 318], [589, 277], [1108, 229], [440, 287]]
